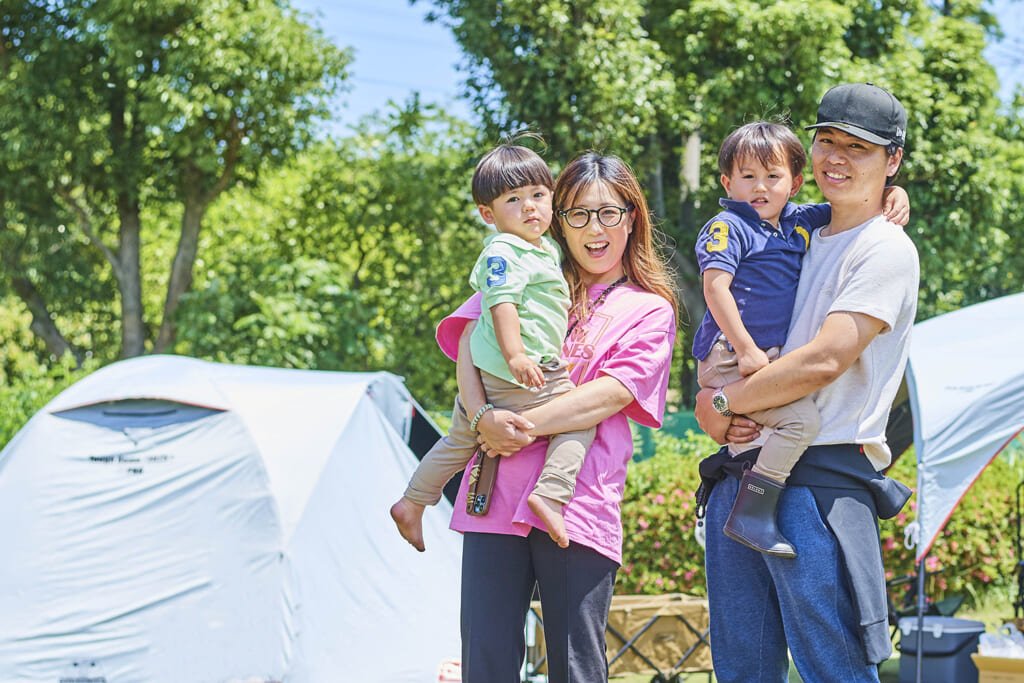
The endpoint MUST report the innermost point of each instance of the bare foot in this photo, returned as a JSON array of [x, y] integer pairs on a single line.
[[408, 518], [550, 512]]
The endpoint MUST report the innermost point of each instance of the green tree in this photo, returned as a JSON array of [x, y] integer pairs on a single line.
[[113, 108], [662, 82], [26, 384], [963, 151], [648, 80], [347, 258], [585, 72]]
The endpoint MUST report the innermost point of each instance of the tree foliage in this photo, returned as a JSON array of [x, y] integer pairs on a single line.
[[662, 82], [129, 125], [26, 384], [556, 64], [111, 107], [346, 259]]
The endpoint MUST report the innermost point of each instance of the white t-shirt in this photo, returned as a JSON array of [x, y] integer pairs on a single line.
[[871, 269]]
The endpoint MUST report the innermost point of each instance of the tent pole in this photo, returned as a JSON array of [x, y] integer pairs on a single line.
[[920, 618]]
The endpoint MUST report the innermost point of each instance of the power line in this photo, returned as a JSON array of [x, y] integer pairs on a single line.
[[392, 38], [372, 9], [404, 86]]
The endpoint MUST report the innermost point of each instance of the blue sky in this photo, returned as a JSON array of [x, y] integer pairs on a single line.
[[1008, 55], [397, 52]]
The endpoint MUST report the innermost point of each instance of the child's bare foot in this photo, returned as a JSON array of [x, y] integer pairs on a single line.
[[550, 512], [408, 518]]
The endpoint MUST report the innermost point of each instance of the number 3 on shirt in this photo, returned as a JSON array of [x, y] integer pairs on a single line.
[[497, 266], [718, 237]]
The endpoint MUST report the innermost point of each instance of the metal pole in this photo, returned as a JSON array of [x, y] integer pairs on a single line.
[[918, 448], [1018, 604], [920, 618]]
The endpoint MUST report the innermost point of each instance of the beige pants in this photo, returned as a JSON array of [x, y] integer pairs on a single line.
[[452, 453], [793, 425]]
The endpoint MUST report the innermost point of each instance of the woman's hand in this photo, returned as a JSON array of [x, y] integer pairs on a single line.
[[721, 428], [502, 432]]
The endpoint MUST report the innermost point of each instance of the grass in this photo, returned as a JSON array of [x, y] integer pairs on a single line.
[[993, 608]]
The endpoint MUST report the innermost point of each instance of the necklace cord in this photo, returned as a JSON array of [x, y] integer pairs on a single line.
[[597, 302]]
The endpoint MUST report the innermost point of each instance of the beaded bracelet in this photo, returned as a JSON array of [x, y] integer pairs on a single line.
[[480, 413]]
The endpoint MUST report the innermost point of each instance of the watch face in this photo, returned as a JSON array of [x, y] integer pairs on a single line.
[[720, 402]]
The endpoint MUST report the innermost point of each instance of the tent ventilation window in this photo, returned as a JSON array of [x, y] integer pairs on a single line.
[[137, 413]]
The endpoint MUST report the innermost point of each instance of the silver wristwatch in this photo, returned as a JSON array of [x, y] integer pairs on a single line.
[[721, 403]]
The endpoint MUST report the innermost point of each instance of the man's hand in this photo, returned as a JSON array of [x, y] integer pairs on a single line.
[[721, 428]]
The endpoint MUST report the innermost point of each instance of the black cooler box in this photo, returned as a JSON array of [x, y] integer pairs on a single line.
[[946, 650]]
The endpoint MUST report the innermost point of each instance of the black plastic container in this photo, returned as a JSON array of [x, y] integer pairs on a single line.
[[946, 650]]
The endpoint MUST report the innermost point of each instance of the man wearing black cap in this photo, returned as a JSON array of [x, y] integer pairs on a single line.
[[847, 348]]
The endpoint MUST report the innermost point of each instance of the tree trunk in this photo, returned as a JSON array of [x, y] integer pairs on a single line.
[[128, 271], [181, 269], [691, 290], [42, 324], [655, 183], [689, 182], [689, 178], [197, 198]]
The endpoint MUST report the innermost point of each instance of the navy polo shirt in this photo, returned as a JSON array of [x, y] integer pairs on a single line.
[[765, 265]]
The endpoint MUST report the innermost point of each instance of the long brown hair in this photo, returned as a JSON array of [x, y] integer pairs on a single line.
[[642, 261]]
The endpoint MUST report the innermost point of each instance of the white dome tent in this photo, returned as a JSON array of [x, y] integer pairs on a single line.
[[169, 519], [965, 382]]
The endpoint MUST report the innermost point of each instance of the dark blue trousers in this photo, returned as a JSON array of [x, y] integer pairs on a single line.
[[761, 604], [498, 576]]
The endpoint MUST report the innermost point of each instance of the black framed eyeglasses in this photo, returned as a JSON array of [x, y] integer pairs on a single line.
[[608, 216]]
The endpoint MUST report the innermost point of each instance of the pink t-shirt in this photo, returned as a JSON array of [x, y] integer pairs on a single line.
[[629, 337]]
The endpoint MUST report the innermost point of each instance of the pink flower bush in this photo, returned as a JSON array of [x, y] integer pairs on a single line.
[[661, 553]]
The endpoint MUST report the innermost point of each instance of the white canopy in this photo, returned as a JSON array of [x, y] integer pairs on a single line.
[[168, 519], [966, 381]]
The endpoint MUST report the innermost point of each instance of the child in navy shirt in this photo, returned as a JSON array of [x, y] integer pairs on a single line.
[[749, 256]]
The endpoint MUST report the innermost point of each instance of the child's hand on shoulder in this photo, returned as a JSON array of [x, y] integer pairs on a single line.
[[525, 371], [896, 205], [751, 361]]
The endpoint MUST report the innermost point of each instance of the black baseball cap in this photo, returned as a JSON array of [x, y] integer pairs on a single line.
[[865, 111]]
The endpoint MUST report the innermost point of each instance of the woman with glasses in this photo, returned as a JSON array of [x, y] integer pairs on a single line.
[[619, 350]]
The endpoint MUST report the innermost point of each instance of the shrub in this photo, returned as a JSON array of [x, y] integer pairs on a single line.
[[660, 551], [32, 388], [29, 378], [977, 547], [661, 554]]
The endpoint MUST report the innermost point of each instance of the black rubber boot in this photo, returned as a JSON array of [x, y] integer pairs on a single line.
[[752, 520]]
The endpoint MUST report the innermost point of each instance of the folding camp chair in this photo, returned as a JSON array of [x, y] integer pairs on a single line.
[[666, 635]]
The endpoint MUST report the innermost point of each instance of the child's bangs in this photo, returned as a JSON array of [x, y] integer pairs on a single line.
[[509, 168], [763, 150], [521, 173], [770, 144]]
